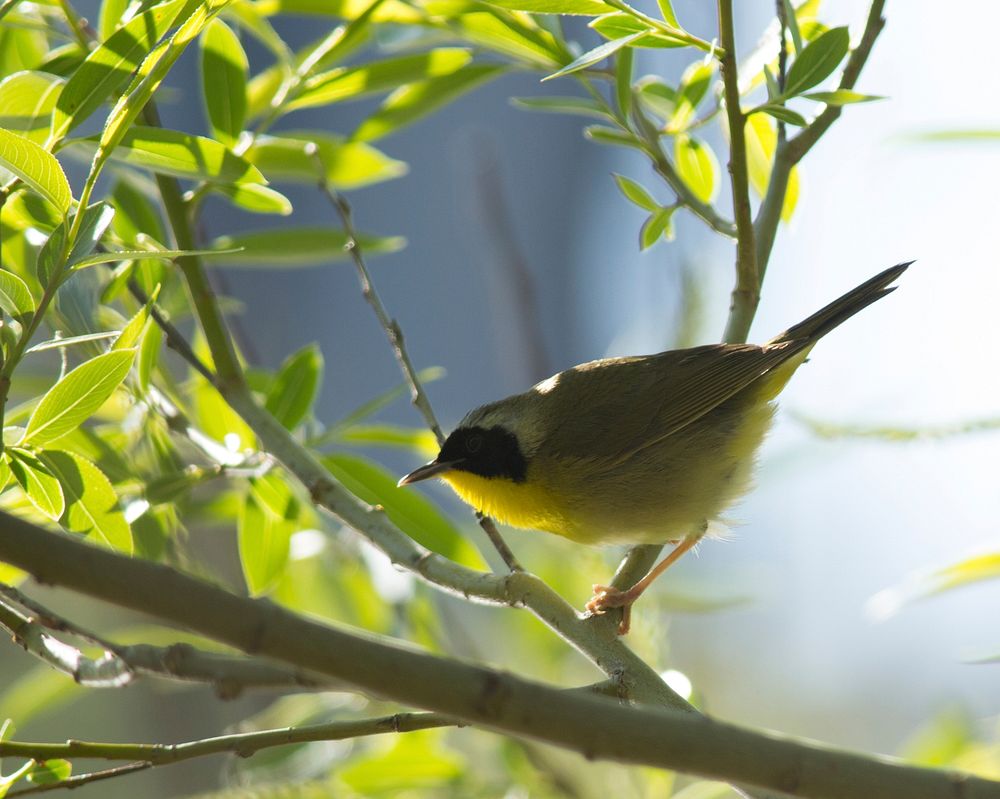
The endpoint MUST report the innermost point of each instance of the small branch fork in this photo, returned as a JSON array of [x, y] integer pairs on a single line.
[[395, 335]]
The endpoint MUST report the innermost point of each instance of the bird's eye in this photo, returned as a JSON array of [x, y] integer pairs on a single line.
[[474, 443]]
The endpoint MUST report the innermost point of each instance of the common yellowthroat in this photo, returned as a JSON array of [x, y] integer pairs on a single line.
[[638, 450]]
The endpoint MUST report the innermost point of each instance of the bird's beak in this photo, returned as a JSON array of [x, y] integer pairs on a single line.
[[427, 471]]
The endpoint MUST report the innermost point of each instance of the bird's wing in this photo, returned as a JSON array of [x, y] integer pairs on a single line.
[[622, 405]]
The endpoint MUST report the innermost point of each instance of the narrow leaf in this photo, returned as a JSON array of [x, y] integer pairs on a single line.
[[40, 486], [781, 113], [15, 297], [171, 152], [62, 343], [38, 168], [108, 67], [841, 97], [580, 106], [72, 400], [413, 101], [255, 198], [697, 166], [26, 102], [96, 221], [595, 56], [352, 83], [132, 332], [293, 391], [620, 24], [656, 225], [224, 70], [636, 193], [137, 255], [587, 8], [263, 543], [817, 61], [294, 247], [91, 503], [347, 165]]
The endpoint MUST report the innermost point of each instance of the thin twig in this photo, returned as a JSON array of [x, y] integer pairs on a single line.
[[395, 335], [175, 339], [83, 779], [241, 744], [746, 293]]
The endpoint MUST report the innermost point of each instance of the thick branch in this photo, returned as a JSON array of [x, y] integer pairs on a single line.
[[746, 293], [591, 725]]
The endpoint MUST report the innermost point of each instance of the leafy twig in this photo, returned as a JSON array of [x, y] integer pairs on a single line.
[[82, 779]]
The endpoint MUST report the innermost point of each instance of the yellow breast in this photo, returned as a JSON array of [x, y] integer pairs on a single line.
[[525, 504]]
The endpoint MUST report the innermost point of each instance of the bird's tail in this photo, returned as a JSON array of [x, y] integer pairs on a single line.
[[840, 310]]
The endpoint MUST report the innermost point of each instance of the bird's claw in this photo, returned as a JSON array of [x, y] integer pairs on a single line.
[[606, 597]]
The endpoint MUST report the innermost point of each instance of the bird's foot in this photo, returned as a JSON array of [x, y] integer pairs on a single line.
[[606, 597]]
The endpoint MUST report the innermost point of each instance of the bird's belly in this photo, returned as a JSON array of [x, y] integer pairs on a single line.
[[527, 504]]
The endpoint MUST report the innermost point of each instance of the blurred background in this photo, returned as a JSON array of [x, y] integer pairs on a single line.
[[523, 260]]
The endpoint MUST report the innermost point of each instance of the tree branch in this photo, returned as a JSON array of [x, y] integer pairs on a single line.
[[746, 293], [580, 721], [79, 780]]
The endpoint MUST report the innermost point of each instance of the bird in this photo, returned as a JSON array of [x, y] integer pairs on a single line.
[[646, 449]]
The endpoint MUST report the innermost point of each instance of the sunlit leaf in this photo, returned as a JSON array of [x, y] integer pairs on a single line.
[[817, 61], [350, 83], [37, 481], [583, 7], [38, 168], [657, 224], [91, 503], [635, 193], [347, 165], [580, 106], [48, 772], [841, 97], [595, 56], [171, 152], [26, 102], [62, 343], [224, 70], [413, 101], [619, 25], [761, 139], [295, 247], [264, 537], [109, 66], [77, 396], [295, 386], [697, 166], [15, 297], [781, 113]]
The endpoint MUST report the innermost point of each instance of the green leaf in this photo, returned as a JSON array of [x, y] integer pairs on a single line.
[[580, 106], [136, 255], [667, 12], [50, 771], [150, 74], [817, 61], [293, 391], [26, 102], [511, 34], [594, 56], [283, 247], [96, 221], [635, 193], [91, 503], [415, 100], [780, 113], [352, 83], [762, 139], [149, 355], [691, 91], [171, 152], [72, 400], [224, 70], [619, 25], [416, 439], [697, 166], [256, 199], [605, 135], [111, 17], [416, 763], [38, 483], [38, 168], [108, 68], [263, 543], [407, 509], [658, 97], [841, 97], [348, 165], [659, 223], [132, 332], [587, 8], [15, 298], [62, 343]]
